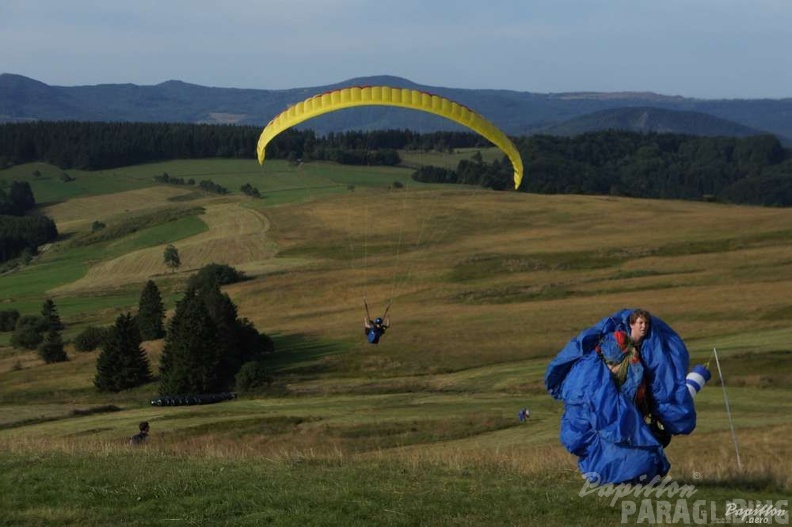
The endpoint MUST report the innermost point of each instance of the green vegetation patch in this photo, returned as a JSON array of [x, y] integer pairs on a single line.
[[23, 420], [240, 428], [760, 363], [783, 313], [145, 487], [63, 265], [486, 266], [191, 196], [542, 292], [133, 224], [50, 186], [344, 250], [364, 436], [300, 354], [637, 273], [51, 270], [722, 245], [510, 294]]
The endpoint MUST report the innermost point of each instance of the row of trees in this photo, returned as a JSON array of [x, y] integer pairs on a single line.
[[208, 347], [754, 170], [102, 145], [123, 363], [249, 190], [40, 332], [207, 185], [206, 342]]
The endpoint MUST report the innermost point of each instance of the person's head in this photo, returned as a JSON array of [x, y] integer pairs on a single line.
[[378, 321], [144, 427], [640, 324]]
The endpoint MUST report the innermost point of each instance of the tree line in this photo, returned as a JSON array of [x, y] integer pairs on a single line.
[[105, 145], [753, 170], [750, 170], [208, 348], [207, 185]]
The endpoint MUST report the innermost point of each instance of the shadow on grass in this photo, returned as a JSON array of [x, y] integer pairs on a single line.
[[302, 354]]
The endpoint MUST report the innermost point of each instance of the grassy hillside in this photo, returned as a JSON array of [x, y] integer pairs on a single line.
[[485, 288]]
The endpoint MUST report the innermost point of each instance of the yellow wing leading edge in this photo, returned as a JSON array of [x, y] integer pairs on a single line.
[[388, 96]]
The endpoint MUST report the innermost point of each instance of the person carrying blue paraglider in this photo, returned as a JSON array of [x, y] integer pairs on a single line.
[[626, 392]]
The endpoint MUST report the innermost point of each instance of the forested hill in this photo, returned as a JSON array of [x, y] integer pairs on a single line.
[[647, 119], [751, 170], [515, 112]]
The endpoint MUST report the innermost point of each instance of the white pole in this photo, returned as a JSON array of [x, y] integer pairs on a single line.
[[728, 411]]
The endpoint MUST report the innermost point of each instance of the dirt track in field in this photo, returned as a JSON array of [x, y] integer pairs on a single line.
[[237, 236]]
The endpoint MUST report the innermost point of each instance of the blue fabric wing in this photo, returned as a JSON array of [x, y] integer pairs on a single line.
[[601, 423], [605, 429], [666, 361], [584, 343]]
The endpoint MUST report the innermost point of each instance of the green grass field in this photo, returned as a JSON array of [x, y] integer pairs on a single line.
[[421, 430]]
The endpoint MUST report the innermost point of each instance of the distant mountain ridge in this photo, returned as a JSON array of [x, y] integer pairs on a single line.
[[517, 113]]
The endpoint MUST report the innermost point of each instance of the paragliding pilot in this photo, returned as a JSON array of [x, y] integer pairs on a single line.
[[625, 393], [142, 437], [374, 329]]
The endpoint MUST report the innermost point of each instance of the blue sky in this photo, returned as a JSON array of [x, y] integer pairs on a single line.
[[694, 48]]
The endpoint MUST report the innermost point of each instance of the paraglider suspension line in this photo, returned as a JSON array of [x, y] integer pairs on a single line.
[[368, 313], [728, 410]]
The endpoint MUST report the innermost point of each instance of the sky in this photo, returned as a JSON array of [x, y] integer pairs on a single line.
[[708, 49]]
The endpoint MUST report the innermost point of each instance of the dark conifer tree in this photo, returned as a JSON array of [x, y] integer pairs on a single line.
[[191, 356], [123, 363], [51, 318], [151, 313], [51, 349], [223, 313]]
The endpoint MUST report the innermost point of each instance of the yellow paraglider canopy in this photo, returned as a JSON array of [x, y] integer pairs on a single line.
[[388, 96]]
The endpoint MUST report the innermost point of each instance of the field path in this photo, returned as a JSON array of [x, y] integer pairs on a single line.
[[236, 236], [79, 213], [235, 233]]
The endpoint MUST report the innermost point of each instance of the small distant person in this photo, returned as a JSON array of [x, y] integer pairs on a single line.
[[523, 414], [142, 437], [374, 329]]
